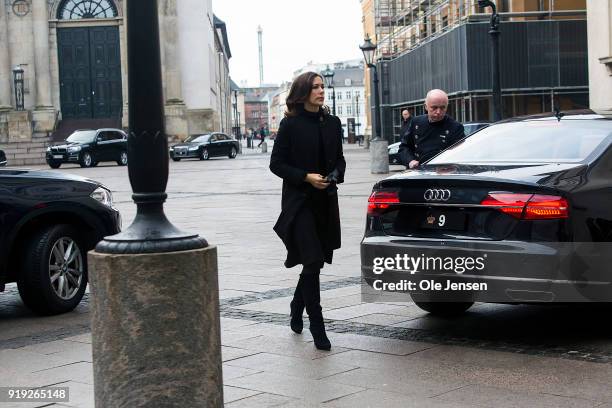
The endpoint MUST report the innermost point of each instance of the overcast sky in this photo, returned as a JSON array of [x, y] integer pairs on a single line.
[[295, 32]]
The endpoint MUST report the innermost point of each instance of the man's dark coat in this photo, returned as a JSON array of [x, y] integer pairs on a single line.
[[425, 139], [295, 154]]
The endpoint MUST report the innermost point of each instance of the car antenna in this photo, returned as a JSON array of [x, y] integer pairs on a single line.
[[558, 113]]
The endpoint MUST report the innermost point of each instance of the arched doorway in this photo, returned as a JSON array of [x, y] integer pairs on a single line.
[[89, 59]]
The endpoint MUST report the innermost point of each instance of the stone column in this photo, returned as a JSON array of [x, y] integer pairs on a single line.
[[175, 109], [44, 113], [5, 63]]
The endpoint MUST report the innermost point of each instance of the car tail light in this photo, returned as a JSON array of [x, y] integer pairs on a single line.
[[380, 201], [528, 206]]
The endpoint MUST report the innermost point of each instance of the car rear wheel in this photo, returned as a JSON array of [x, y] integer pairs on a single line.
[[233, 152], [54, 165], [53, 270], [176, 159], [87, 160], [444, 309], [204, 155], [123, 158]]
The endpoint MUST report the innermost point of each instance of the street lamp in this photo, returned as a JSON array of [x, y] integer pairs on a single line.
[[378, 147], [328, 77], [368, 48], [18, 82], [495, 64]]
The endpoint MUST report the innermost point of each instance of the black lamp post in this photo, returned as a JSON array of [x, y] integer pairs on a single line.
[[151, 232], [328, 77], [495, 63], [18, 83], [369, 48], [236, 122]]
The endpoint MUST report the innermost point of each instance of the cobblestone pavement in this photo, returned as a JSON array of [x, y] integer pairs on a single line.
[[384, 354]]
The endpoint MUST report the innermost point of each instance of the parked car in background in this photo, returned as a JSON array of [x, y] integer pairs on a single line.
[[90, 147], [523, 205], [48, 222], [205, 146], [2, 158], [468, 129]]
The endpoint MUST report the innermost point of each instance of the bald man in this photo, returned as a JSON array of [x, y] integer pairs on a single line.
[[431, 133]]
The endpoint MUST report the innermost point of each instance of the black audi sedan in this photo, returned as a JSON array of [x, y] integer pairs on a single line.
[[90, 147], [48, 222], [204, 147], [519, 212]]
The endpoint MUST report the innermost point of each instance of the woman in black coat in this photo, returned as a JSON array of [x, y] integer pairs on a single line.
[[307, 155]]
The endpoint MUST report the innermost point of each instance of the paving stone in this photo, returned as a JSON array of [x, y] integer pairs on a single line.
[[380, 319], [81, 338], [263, 400], [286, 347], [26, 362], [292, 366], [78, 372], [81, 395], [376, 399], [310, 390], [362, 309], [387, 346], [403, 381], [231, 371], [479, 395], [231, 394], [270, 330], [231, 353], [230, 293], [228, 323]]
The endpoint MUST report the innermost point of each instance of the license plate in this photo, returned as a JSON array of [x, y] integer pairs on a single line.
[[444, 220], [58, 156]]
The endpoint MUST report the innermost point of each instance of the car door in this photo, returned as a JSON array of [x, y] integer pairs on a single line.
[[100, 151], [224, 144], [213, 147], [116, 144]]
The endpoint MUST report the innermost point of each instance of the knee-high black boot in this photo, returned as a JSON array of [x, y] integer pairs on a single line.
[[312, 301], [297, 308]]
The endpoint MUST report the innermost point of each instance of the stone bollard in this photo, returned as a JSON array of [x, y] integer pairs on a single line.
[[379, 156], [264, 147], [155, 329]]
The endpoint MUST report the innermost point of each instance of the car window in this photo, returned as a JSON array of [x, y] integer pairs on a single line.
[[82, 136], [197, 138], [214, 138], [530, 141], [221, 137], [103, 137], [115, 136]]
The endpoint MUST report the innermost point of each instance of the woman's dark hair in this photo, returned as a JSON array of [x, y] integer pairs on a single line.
[[300, 91]]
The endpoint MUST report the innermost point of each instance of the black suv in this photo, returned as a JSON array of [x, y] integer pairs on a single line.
[[89, 147], [48, 222]]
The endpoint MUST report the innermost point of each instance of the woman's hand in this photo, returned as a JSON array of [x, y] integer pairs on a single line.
[[317, 181]]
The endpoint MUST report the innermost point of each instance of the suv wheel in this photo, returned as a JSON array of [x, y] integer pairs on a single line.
[[204, 154], [86, 160], [233, 152], [54, 164], [122, 158], [54, 270]]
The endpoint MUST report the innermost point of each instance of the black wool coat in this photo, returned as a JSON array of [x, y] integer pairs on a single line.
[[425, 139], [295, 154]]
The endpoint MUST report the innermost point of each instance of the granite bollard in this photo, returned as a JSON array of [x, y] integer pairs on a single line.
[[379, 156], [155, 329]]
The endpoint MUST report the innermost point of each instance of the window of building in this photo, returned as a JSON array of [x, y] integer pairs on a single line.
[[348, 94], [339, 96], [349, 110], [357, 94], [444, 21], [79, 9], [339, 110]]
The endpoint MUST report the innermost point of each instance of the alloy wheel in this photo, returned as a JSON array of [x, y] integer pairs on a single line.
[[66, 268]]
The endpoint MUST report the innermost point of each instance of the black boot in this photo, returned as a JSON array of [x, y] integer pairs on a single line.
[[312, 301], [297, 308]]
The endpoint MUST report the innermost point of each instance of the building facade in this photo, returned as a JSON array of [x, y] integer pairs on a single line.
[[445, 44], [74, 58], [599, 21], [257, 106]]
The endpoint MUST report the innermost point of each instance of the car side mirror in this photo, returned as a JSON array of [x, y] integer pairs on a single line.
[[99, 139]]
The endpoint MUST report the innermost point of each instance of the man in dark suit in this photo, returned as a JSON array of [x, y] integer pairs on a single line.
[[406, 123], [431, 133]]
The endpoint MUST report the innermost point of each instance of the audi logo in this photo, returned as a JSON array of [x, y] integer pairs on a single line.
[[437, 194]]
